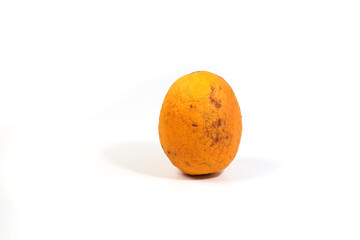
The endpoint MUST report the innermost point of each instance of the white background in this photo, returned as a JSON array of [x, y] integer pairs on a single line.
[[81, 87]]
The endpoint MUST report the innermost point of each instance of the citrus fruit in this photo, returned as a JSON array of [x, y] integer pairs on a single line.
[[200, 123]]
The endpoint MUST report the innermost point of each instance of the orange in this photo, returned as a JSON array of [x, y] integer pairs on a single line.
[[200, 123]]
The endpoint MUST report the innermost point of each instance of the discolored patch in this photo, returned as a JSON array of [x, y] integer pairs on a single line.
[[216, 104], [219, 122], [213, 99]]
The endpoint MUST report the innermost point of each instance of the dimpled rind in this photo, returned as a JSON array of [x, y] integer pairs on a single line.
[[200, 123]]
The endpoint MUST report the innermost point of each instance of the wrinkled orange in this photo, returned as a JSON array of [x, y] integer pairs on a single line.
[[200, 123]]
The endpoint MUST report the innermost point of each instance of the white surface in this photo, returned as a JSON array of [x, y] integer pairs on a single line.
[[81, 87]]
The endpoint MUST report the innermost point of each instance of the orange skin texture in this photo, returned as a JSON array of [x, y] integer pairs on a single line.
[[200, 123]]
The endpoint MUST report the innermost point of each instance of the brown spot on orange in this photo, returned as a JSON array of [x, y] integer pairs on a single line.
[[213, 98], [216, 104]]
